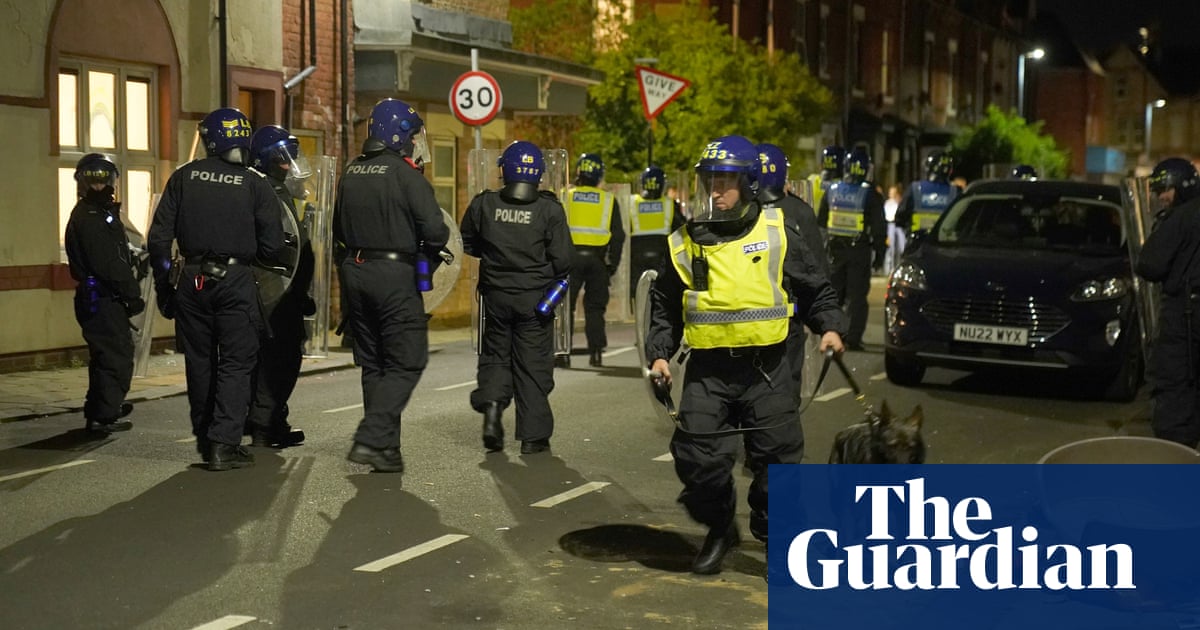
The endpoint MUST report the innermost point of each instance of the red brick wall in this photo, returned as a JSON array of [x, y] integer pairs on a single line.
[[316, 102]]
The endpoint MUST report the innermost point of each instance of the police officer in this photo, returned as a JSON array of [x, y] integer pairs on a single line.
[[1024, 171], [222, 215], [738, 373], [853, 214], [524, 246], [596, 231], [387, 217], [275, 152], [651, 219], [925, 200], [800, 217], [833, 160], [1171, 255], [108, 293]]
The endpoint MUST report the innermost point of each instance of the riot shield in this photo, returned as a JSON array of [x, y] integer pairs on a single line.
[[802, 188], [142, 324], [563, 333], [641, 328], [447, 273], [557, 175], [275, 276], [482, 171], [317, 219], [618, 300], [1137, 218]]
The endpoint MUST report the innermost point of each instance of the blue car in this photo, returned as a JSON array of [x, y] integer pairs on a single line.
[[1021, 275]]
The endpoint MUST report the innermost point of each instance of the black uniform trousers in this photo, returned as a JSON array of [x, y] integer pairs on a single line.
[[517, 359], [797, 337], [850, 275], [734, 388], [391, 342], [110, 354], [589, 274], [217, 324], [1173, 368], [645, 252], [279, 358]]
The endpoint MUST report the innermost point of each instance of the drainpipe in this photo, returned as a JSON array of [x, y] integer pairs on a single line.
[[311, 24], [223, 54], [345, 44]]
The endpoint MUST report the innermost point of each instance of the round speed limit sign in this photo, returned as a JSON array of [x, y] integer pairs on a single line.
[[475, 98]]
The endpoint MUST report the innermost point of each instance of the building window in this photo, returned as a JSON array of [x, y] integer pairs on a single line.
[[981, 81], [443, 170], [823, 43], [885, 86], [1121, 88], [951, 74], [857, 54], [800, 30], [927, 66], [109, 109]]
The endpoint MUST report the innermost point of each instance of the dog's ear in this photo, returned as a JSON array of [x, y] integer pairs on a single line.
[[918, 416]]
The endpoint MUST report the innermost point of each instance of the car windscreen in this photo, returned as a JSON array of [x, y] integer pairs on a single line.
[[1088, 226]]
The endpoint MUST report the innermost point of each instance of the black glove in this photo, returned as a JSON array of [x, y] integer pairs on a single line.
[[309, 307], [612, 270], [166, 302], [133, 306]]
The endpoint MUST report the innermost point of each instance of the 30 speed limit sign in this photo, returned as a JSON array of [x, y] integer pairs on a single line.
[[475, 98]]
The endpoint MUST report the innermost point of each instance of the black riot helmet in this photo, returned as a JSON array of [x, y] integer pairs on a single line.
[[938, 166], [654, 182], [833, 160], [95, 168], [859, 167], [1175, 173], [1024, 171]]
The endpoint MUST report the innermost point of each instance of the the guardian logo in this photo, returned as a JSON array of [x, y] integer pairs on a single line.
[[947, 546]]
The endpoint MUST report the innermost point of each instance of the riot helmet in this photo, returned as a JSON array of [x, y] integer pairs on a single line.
[[96, 169], [726, 180], [1176, 174], [654, 182], [395, 125], [858, 167], [589, 170], [938, 166], [833, 160], [1024, 171], [521, 167], [275, 152], [225, 133], [774, 169]]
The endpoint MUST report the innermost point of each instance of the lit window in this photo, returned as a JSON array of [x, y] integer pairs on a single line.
[[445, 187], [68, 113], [102, 110]]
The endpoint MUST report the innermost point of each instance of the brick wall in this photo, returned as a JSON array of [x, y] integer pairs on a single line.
[[494, 9], [316, 102]]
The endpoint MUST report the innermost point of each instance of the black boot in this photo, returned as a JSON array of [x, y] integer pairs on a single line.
[[228, 456], [594, 358], [533, 447], [386, 460], [493, 428], [716, 545], [279, 437]]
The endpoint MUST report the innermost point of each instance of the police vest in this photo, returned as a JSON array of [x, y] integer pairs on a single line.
[[846, 216], [651, 216], [930, 200], [818, 187], [589, 213], [745, 304]]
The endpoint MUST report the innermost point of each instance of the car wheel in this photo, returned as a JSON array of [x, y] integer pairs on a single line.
[[902, 372], [562, 361], [1123, 385]]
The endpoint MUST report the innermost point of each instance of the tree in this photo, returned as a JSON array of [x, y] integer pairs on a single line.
[[735, 89], [1006, 138]]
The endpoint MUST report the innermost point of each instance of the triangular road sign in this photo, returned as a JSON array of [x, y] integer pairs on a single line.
[[658, 89]]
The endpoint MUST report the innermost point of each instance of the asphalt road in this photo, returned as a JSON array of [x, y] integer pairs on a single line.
[[130, 532]]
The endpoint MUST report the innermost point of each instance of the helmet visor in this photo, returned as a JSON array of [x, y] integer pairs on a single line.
[[420, 150], [719, 196], [296, 166]]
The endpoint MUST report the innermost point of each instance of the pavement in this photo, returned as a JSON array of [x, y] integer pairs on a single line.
[[41, 393]]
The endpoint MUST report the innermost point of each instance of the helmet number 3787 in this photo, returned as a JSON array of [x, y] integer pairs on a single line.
[[475, 98]]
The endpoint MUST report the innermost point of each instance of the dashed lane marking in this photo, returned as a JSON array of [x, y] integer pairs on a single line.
[[841, 391], [410, 553], [455, 386], [665, 457], [186, 440], [878, 377], [39, 471], [563, 497], [613, 353], [226, 622], [346, 408]]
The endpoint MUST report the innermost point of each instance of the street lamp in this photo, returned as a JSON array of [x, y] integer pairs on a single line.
[[1036, 53], [1150, 107]]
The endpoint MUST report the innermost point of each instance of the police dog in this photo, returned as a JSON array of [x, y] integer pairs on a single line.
[[881, 439]]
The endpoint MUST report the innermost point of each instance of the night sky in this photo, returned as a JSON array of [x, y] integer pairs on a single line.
[[1101, 24]]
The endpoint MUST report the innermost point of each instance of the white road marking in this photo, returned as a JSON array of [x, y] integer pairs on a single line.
[[450, 387], [563, 497], [841, 391], [410, 553], [38, 471], [347, 408], [226, 622], [613, 353], [186, 440], [878, 377], [665, 457]]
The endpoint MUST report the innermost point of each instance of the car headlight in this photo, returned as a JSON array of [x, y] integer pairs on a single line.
[[909, 276], [1102, 289]]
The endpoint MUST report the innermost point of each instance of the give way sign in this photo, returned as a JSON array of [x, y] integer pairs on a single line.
[[658, 89]]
